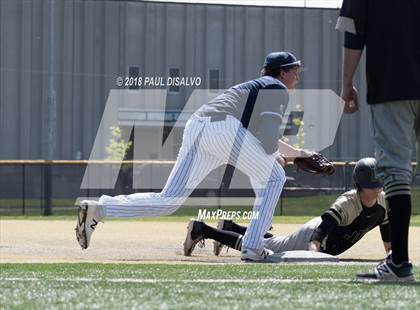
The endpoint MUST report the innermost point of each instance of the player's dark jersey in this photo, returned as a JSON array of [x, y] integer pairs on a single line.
[[390, 30], [347, 221], [256, 103], [241, 101], [342, 238]]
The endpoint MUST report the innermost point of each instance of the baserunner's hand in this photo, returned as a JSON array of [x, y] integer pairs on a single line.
[[314, 246]]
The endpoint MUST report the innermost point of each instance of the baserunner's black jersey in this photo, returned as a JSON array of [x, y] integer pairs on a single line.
[[347, 221], [344, 237]]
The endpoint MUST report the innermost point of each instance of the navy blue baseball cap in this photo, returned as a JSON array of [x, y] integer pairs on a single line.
[[281, 60]]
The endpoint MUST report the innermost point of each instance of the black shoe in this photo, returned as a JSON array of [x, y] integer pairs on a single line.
[[387, 271], [194, 236]]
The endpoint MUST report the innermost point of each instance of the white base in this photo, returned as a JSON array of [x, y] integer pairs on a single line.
[[301, 256]]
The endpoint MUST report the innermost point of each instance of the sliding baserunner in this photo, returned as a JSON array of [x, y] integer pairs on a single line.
[[349, 218]]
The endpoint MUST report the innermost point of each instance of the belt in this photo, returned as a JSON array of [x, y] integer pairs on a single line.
[[217, 118]]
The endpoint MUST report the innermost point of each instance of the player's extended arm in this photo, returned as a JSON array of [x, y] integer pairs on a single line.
[[269, 123], [291, 152], [353, 23], [386, 236], [351, 59], [326, 227]]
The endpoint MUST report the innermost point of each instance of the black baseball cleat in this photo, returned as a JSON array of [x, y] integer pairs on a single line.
[[194, 236], [387, 271]]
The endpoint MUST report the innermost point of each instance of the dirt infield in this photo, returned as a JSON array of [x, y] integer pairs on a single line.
[[142, 242]]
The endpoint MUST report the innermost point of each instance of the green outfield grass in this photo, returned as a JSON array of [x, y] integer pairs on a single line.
[[237, 286]]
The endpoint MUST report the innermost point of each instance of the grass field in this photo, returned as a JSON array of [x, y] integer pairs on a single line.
[[192, 286], [181, 284]]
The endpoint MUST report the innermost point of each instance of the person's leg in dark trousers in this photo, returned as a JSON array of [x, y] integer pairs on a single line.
[[394, 127], [230, 225]]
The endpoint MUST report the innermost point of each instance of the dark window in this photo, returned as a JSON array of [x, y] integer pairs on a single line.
[[134, 75], [214, 79], [174, 74]]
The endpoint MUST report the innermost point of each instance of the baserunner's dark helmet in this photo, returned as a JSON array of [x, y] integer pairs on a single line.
[[364, 174]]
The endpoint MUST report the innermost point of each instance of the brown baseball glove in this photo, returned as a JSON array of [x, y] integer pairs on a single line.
[[316, 163]]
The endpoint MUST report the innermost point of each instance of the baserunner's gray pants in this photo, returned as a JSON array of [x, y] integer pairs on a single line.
[[297, 241]]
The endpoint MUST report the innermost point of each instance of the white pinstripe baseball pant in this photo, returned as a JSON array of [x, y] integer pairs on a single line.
[[207, 145]]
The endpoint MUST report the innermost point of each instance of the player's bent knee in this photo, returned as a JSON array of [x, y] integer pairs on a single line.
[[278, 174]]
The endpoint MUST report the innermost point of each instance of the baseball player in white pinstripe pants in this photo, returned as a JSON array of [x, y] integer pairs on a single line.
[[237, 128]]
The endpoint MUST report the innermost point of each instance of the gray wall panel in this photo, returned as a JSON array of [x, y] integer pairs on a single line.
[[24, 99], [37, 73], [66, 115], [10, 62]]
